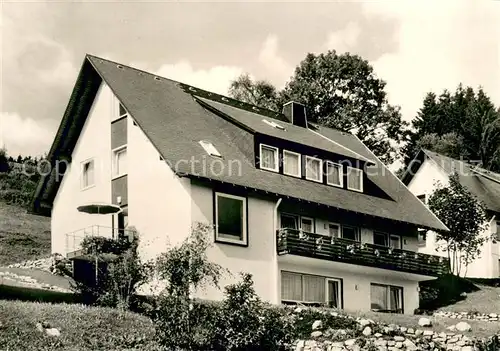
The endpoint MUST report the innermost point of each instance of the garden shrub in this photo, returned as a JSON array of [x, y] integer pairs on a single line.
[[119, 271], [444, 291]]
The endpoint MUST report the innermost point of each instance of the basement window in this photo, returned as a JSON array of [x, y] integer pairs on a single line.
[[210, 148], [386, 298]]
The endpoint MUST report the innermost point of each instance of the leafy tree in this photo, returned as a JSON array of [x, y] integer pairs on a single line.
[[340, 91], [259, 93], [4, 161], [465, 216], [19, 159], [464, 124]]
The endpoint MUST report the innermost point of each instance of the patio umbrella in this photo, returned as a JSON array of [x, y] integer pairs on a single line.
[[99, 208]]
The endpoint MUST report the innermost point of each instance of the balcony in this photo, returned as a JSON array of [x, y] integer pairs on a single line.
[[75, 239], [296, 242]]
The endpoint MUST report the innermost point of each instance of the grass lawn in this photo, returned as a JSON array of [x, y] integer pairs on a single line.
[[82, 328], [22, 236], [485, 300]]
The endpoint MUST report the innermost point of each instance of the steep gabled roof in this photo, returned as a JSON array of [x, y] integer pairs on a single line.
[[483, 184], [175, 117]]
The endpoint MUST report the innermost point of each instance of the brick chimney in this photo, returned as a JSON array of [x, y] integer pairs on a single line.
[[295, 113]]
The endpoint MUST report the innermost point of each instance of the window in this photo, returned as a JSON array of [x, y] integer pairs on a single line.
[[87, 174], [122, 111], [350, 233], [387, 240], [422, 198], [289, 221], [422, 237], [334, 230], [314, 169], [307, 224], [210, 148], [291, 163], [269, 158], [231, 219], [120, 162], [386, 298], [274, 124], [310, 289], [334, 174], [354, 179]]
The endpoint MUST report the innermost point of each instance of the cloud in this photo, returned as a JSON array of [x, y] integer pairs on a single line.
[[216, 79], [25, 136], [441, 44], [277, 67], [345, 39]]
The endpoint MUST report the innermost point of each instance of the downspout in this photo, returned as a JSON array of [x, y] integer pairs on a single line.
[[275, 254]]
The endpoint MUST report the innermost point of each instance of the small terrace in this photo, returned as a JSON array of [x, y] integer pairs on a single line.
[[74, 239]]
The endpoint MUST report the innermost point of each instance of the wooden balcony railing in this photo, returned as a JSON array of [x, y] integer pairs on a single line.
[[296, 242]]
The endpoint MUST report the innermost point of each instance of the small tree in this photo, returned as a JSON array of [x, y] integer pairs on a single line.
[[465, 216], [184, 268]]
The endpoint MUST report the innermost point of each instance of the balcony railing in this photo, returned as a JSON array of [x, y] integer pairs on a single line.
[[74, 239], [296, 242]]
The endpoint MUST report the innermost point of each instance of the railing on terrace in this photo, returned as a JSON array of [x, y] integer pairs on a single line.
[[74, 239], [297, 242]]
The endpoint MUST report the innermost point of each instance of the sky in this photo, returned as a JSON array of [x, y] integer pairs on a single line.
[[415, 46]]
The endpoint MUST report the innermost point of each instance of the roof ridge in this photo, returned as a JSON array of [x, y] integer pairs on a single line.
[[193, 90]]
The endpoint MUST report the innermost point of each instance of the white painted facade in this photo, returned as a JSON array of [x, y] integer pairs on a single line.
[[162, 207], [424, 182]]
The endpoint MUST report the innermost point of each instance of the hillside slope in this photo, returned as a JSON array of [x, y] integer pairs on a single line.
[[22, 236]]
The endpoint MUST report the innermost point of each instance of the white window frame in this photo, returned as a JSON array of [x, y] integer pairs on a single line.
[[276, 158], [388, 288], [358, 233], [297, 219], [336, 224], [302, 286], [115, 153], [339, 281], [82, 165], [243, 241], [299, 157], [341, 174], [320, 173], [351, 169], [313, 229]]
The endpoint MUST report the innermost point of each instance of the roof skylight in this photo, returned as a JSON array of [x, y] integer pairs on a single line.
[[210, 148], [273, 124]]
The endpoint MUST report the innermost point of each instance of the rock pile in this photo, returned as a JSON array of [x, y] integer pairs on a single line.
[[491, 317], [380, 337]]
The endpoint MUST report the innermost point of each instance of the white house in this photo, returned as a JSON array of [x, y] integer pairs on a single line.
[[309, 211], [427, 171]]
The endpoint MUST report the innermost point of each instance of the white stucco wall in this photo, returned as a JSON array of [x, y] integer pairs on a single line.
[[258, 259], [424, 182], [94, 142], [356, 281], [159, 201]]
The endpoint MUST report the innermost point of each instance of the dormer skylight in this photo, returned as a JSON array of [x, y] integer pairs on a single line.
[[274, 124], [210, 148]]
